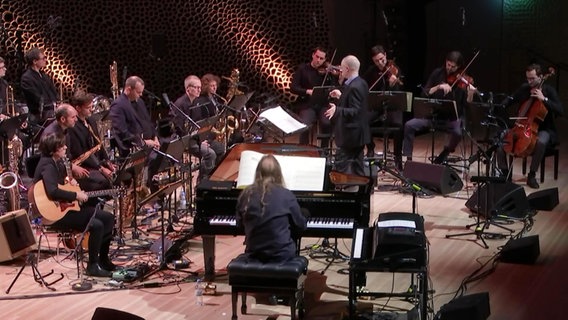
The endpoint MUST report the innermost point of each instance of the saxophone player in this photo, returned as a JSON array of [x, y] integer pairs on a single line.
[[83, 142]]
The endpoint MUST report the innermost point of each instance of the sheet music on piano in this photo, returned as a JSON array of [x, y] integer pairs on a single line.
[[300, 173], [282, 120]]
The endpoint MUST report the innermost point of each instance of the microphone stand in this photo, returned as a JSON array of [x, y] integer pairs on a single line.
[[171, 104]]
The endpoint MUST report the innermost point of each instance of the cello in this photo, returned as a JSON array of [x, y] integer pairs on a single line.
[[521, 139]]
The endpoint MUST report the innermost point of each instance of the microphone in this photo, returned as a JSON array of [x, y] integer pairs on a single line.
[[151, 94], [490, 99], [166, 98], [124, 73]]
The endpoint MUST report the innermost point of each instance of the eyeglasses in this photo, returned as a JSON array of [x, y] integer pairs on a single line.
[[195, 87]]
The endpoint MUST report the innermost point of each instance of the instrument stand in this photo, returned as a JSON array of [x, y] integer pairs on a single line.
[[134, 165], [330, 257], [481, 226], [38, 277], [168, 189]]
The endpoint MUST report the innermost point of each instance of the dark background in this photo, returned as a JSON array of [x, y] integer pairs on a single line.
[[164, 41]]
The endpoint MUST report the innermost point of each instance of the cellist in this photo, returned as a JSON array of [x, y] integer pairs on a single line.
[[534, 90]]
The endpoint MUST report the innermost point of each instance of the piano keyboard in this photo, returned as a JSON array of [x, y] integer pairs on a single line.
[[313, 223]]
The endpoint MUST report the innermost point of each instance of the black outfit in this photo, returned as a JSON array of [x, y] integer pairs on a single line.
[[459, 95], [307, 77], [131, 123], [40, 94], [198, 109], [382, 116], [270, 229], [81, 140], [3, 87], [52, 174], [547, 135], [351, 126]]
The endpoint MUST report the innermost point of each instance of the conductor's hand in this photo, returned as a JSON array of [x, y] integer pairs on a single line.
[[82, 196], [330, 111], [335, 94]]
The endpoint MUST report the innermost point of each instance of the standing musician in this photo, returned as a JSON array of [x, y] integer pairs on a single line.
[[197, 108], [307, 76], [546, 129], [351, 127], [83, 139], [52, 171], [440, 86], [38, 88], [381, 76]]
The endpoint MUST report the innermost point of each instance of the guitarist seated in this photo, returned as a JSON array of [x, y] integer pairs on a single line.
[[52, 171]]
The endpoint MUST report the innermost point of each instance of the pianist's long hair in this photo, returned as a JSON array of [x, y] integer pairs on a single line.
[[268, 173]]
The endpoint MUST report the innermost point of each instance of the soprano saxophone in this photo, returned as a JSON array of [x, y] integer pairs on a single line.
[[10, 180]]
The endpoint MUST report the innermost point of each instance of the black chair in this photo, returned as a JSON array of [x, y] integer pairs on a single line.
[[550, 151], [281, 278]]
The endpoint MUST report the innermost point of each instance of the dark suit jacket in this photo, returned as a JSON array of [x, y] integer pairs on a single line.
[[130, 124], [81, 140], [351, 126], [38, 88]]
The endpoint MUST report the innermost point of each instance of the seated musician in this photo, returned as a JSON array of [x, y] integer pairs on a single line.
[[51, 170], [83, 138], [438, 87], [546, 129], [270, 215], [380, 78], [38, 88], [197, 108], [65, 118]]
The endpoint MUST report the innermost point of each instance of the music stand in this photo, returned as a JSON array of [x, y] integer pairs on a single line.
[[434, 110], [320, 95], [389, 101], [280, 123], [130, 169], [161, 193]]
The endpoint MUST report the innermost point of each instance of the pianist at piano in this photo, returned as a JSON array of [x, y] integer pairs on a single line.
[[270, 215]]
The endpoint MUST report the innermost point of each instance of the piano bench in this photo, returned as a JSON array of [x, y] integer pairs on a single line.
[[280, 278]]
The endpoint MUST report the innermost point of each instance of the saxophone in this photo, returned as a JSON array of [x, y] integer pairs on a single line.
[[10, 180], [233, 89], [113, 69]]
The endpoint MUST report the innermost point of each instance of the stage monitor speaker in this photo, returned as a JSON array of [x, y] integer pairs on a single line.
[[470, 307], [499, 199], [16, 235], [545, 200], [438, 178], [113, 314], [523, 250]]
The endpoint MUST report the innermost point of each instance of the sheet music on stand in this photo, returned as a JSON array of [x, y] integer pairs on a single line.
[[395, 100], [280, 122], [440, 109], [320, 95]]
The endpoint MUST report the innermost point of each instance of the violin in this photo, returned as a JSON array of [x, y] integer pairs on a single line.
[[391, 69], [328, 68], [459, 79]]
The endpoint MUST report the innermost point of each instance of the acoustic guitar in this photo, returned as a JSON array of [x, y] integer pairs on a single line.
[[52, 211]]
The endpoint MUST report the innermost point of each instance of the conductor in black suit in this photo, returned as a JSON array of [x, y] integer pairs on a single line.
[[349, 115]]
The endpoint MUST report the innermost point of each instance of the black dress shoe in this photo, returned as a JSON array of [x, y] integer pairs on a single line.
[[531, 181], [95, 270], [442, 157], [106, 264]]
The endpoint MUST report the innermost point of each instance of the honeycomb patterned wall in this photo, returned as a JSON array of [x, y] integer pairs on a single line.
[[164, 41]]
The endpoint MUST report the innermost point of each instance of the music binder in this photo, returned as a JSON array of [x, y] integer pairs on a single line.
[[440, 109], [280, 122], [391, 100]]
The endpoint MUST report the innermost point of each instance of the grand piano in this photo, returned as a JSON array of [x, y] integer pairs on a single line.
[[333, 213]]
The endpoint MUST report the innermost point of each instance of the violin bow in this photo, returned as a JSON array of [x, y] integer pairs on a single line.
[[466, 67], [327, 70]]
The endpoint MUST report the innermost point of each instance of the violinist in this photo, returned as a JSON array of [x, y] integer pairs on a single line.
[[306, 77], [547, 136], [384, 75], [442, 84]]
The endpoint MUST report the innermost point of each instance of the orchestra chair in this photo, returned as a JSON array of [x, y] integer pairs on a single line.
[[550, 151], [386, 133], [102, 313], [281, 278], [66, 238]]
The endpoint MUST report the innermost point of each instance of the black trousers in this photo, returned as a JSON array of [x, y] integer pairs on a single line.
[[100, 229]]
